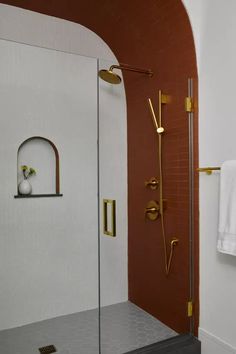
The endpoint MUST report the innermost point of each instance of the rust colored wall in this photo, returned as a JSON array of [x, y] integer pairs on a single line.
[[152, 34]]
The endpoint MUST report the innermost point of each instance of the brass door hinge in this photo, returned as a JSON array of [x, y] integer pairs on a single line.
[[189, 106], [190, 308]]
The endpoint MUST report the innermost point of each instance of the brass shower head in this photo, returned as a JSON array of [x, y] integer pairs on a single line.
[[109, 76], [113, 78]]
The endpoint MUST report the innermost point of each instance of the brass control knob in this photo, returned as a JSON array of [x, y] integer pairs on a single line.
[[152, 210], [152, 183]]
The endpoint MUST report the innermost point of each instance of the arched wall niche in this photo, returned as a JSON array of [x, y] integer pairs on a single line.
[[156, 35], [41, 154]]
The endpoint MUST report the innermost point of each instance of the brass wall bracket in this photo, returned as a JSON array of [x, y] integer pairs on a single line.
[[152, 183], [152, 210], [165, 99]]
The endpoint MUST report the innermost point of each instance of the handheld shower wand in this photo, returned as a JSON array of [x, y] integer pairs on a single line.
[[159, 130]]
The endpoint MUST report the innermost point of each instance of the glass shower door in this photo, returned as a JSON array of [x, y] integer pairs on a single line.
[[49, 239], [113, 214]]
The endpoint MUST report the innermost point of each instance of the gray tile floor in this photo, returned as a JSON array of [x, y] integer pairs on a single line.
[[124, 327]]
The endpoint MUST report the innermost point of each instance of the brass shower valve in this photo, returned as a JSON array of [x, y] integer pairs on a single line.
[[152, 183], [152, 211]]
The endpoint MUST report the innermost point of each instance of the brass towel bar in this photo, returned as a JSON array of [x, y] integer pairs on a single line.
[[208, 170]]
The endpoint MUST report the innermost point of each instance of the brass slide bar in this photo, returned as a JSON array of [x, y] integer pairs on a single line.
[[155, 209], [208, 170]]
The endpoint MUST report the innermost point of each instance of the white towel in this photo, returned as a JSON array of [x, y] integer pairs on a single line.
[[227, 217]]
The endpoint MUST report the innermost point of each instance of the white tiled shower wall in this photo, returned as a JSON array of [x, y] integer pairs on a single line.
[[43, 31]]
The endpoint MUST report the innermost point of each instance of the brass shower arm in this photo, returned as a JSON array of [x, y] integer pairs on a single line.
[[113, 78], [131, 68]]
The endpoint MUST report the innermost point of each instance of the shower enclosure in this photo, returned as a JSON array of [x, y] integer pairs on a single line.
[[147, 268], [83, 269]]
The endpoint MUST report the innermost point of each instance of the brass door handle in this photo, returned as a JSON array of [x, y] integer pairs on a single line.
[[152, 183], [152, 210], [110, 231]]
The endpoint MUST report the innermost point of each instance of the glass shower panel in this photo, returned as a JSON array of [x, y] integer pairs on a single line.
[[113, 207], [49, 239]]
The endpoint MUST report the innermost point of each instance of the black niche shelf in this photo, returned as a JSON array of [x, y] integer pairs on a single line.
[[22, 196]]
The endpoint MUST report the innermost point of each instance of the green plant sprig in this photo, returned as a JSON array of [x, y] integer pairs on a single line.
[[27, 171]]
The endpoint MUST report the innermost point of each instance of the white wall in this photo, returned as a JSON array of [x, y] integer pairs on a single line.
[[214, 29], [48, 32], [45, 31]]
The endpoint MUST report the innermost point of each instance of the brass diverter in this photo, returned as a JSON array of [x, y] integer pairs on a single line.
[[152, 183], [152, 210]]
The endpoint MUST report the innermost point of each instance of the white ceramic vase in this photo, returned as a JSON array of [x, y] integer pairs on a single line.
[[25, 187]]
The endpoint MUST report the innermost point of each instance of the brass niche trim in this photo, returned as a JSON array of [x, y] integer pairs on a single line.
[[57, 162], [112, 231]]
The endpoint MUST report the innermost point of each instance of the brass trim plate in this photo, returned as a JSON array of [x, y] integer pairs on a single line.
[[152, 210], [152, 183], [112, 230]]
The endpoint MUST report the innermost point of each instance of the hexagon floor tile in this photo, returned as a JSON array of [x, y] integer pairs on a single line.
[[124, 327]]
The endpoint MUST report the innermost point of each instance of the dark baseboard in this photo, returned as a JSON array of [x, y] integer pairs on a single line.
[[181, 344]]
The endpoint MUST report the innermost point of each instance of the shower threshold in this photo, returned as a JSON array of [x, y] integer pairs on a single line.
[[125, 328], [182, 343]]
